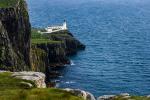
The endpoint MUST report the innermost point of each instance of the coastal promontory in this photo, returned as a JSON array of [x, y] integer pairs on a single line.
[[22, 49]]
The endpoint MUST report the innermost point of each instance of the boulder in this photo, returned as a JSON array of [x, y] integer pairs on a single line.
[[77, 92], [148, 96], [27, 84], [112, 97], [3, 71], [37, 77], [106, 97], [125, 95]]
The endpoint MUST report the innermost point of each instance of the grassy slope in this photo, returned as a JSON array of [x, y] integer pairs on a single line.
[[38, 38], [40, 41], [7, 3], [12, 89]]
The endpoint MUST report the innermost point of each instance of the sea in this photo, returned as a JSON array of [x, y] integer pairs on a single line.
[[117, 38]]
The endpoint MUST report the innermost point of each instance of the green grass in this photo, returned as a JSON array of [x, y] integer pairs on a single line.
[[139, 98], [45, 41], [12, 89], [7, 3], [38, 38], [35, 34], [37, 94], [8, 82], [131, 98]]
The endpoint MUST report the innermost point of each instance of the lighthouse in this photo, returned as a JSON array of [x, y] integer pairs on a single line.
[[56, 28], [65, 25]]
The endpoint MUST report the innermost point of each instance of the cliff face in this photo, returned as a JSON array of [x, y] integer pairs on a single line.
[[15, 37], [55, 54], [39, 59], [57, 51], [72, 45]]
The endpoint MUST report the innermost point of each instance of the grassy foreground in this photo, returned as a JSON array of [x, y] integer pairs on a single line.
[[13, 89]]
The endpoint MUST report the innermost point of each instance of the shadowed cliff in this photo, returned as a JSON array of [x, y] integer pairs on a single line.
[[54, 48], [14, 35]]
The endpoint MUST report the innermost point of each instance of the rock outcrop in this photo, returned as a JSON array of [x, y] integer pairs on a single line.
[[77, 92], [39, 59], [15, 37], [56, 52], [122, 96], [106, 97], [36, 77], [72, 45]]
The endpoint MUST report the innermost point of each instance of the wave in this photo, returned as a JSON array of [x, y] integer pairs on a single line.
[[57, 85], [72, 63], [60, 76], [70, 82]]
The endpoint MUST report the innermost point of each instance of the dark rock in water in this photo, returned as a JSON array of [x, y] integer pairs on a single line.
[[15, 37], [54, 74], [51, 84]]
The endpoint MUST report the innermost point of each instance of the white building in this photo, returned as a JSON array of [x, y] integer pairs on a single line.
[[51, 29]]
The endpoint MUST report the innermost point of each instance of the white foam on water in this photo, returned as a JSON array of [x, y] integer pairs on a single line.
[[72, 63], [70, 82], [60, 76], [57, 85]]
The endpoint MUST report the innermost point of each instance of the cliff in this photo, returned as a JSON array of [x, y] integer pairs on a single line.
[[72, 45], [56, 47], [16, 53], [14, 35]]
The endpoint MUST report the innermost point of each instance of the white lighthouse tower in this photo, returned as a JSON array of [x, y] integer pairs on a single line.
[[64, 25], [52, 29]]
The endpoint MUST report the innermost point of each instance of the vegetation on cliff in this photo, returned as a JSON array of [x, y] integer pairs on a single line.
[[38, 38], [13, 89], [56, 45], [42, 41], [7, 82], [8, 3]]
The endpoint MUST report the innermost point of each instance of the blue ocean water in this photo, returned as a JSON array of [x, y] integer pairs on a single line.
[[117, 38]]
